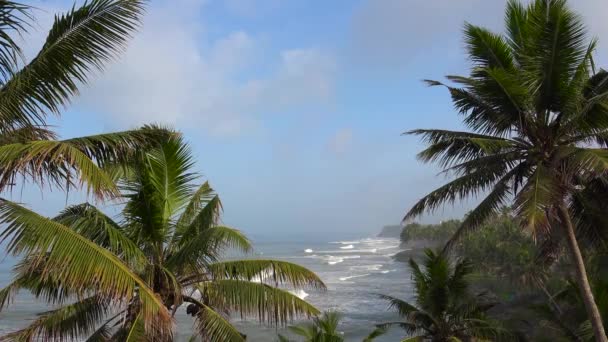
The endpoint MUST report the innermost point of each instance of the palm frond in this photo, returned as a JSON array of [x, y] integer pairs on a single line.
[[486, 49], [199, 200], [15, 19], [77, 261], [495, 200], [206, 247], [270, 271], [94, 225], [63, 163], [536, 198], [215, 328], [68, 323], [269, 304], [56, 162], [80, 41], [379, 331], [204, 219]]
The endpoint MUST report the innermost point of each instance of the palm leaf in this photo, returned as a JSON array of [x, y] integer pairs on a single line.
[[272, 271], [15, 19], [80, 41], [215, 328], [64, 324], [54, 162], [62, 163], [269, 304], [206, 247], [94, 225], [77, 261]]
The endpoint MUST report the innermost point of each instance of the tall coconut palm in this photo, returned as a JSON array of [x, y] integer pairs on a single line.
[[79, 43], [536, 110], [124, 279], [445, 310]]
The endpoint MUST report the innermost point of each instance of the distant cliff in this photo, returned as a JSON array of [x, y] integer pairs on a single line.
[[393, 231]]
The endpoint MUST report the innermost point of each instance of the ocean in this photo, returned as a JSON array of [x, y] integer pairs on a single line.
[[355, 271]]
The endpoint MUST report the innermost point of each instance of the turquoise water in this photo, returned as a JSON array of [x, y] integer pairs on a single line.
[[353, 270]]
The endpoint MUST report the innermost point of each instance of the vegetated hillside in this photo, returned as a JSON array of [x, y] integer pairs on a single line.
[[391, 231]]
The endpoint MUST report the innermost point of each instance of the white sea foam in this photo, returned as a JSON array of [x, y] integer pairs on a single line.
[[299, 293], [372, 250], [347, 247], [332, 260], [308, 250], [346, 242], [375, 267], [355, 276]]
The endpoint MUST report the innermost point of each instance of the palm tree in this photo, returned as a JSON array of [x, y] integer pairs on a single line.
[[444, 310], [536, 110], [124, 279], [322, 329], [80, 42]]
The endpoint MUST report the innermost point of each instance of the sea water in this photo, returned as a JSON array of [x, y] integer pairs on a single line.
[[355, 272]]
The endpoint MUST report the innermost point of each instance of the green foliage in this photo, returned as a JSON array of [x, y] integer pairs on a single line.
[[564, 312], [535, 110], [429, 232], [444, 308], [164, 251]]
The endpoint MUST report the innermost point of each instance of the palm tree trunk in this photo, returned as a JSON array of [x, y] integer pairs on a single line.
[[581, 277]]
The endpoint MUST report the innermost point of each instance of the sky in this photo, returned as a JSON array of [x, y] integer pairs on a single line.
[[294, 109]]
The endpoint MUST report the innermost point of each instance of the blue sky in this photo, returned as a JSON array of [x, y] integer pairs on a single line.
[[294, 108]]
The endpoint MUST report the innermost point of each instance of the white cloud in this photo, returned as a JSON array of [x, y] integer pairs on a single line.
[[390, 33], [341, 141], [173, 72]]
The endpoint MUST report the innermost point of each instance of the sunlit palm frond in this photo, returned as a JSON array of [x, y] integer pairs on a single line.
[[559, 43], [80, 41], [169, 171], [56, 163], [76, 161], [7, 294], [490, 205], [94, 225], [270, 271], [76, 261], [199, 200], [532, 203], [206, 247], [403, 308], [204, 219], [486, 49], [267, 303], [122, 147]]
